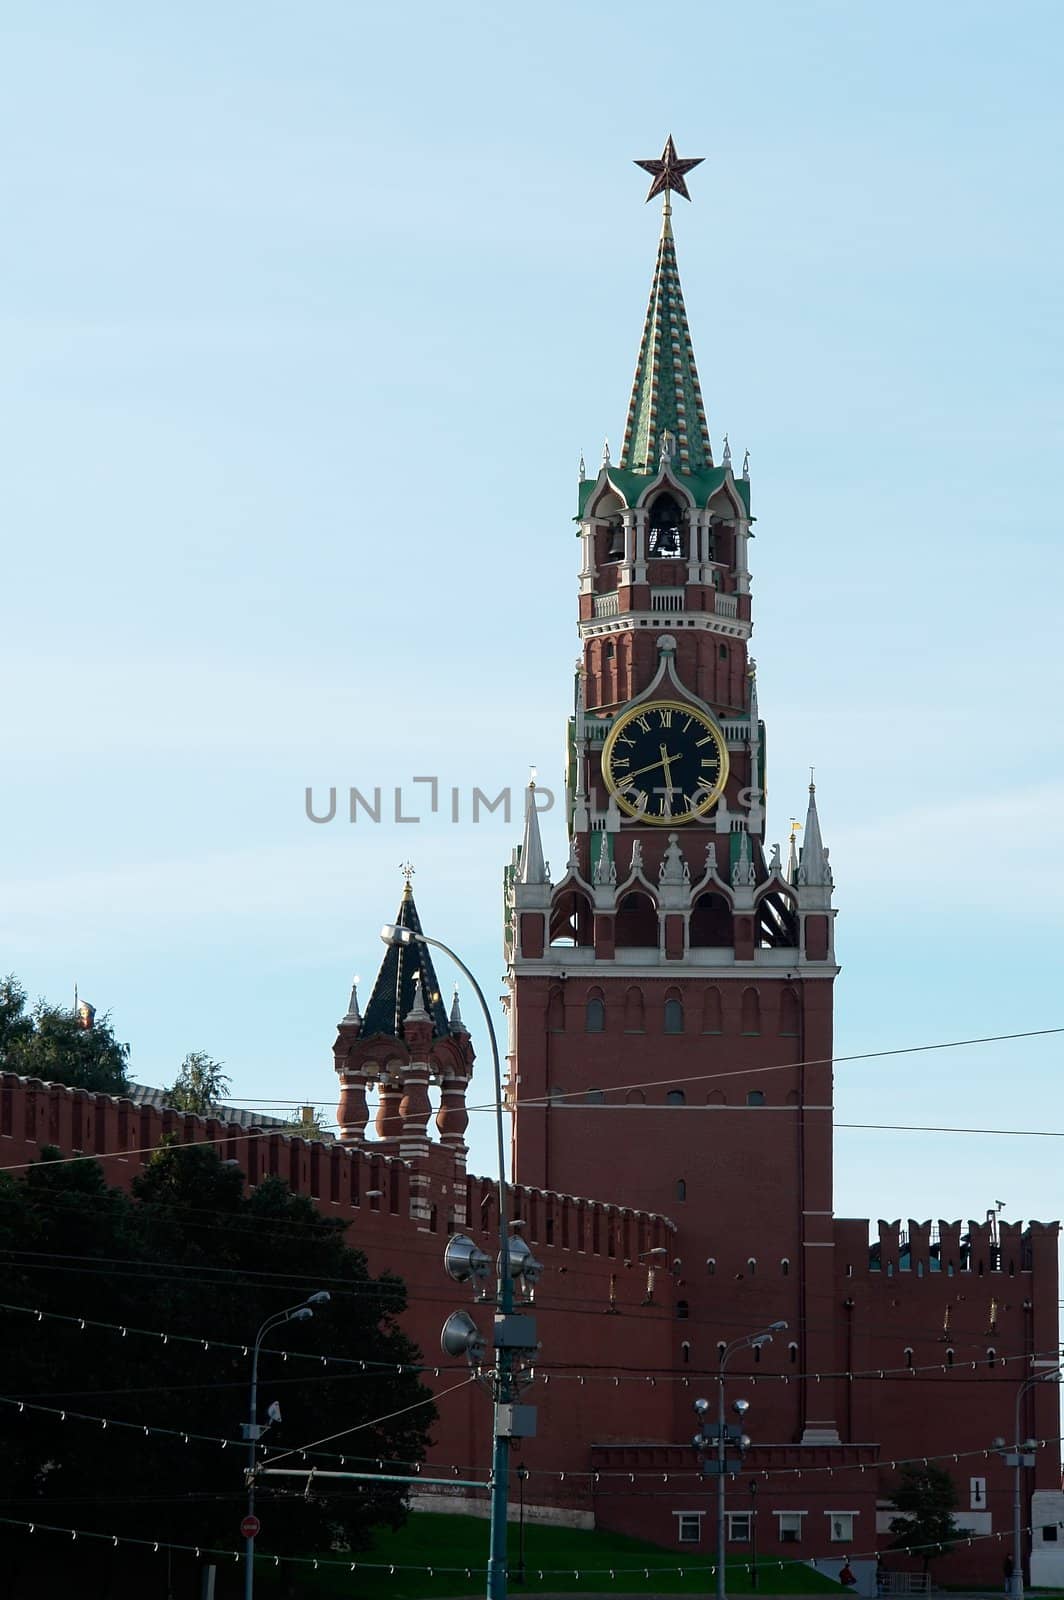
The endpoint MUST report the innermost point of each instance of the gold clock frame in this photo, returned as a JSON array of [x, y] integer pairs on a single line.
[[675, 818]]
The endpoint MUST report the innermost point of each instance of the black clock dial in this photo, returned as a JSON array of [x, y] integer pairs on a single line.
[[665, 762]]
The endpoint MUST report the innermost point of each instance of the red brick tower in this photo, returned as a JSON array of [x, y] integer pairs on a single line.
[[671, 991], [402, 1044]]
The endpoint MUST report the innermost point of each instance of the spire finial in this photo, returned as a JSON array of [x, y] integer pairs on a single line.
[[456, 1012], [746, 467], [606, 453], [792, 853], [726, 457], [669, 173], [407, 869], [353, 1013], [582, 470], [666, 391]]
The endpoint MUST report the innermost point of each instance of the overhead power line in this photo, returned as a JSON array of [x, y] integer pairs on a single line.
[[655, 1083]]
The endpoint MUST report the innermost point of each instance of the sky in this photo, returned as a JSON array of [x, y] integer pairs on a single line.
[[308, 313]]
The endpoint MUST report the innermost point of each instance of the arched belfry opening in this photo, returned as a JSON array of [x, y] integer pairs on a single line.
[[777, 923], [637, 922], [667, 529], [711, 923], [572, 919]]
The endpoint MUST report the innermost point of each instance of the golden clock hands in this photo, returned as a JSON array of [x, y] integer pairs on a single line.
[[666, 761], [626, 777]]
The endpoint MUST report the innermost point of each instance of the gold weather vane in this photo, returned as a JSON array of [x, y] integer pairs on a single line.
[[669, 172]]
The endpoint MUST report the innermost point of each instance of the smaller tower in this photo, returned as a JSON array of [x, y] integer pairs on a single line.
[[402, 1045]]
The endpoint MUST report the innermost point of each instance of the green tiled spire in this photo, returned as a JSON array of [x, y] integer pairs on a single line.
[[666, 393]]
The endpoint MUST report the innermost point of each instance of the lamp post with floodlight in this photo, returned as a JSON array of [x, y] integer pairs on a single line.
[[253, 1432], [510, 1331], [1019, 1455], [712, 1441]]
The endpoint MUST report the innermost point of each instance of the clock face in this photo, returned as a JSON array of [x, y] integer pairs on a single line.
[[665, 762]]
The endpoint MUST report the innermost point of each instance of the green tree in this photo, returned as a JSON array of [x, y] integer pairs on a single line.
[[16, 1025], [200, 1084], [55, 1045], [314, 1126], [925, 1498], [190, 1253]]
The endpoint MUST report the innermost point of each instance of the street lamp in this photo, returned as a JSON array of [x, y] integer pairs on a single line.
[[1018, 1456], [396, 934], [252, 1432], [722, 1435]]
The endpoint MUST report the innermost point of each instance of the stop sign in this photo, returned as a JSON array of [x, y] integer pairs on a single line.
[[249, 1527]]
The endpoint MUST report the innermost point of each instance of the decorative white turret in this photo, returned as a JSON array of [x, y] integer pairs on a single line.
[[743, 874], [418, 1012], [813, 868], [457, 1025], [533, 868]]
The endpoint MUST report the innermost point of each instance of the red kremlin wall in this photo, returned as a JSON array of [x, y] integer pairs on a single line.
[[928, 1337]]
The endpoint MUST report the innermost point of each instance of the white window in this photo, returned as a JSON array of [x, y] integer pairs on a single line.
[[688, 1526], [841, 1525], [790, 1526], [739, 1527]]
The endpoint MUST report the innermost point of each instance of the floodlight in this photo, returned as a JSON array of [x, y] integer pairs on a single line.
[[523, 1263], [463, 1260], [460, 1336]]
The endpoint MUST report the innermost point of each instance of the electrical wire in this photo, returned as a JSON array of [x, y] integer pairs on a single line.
[[783, 1066], [359, 1427], [555, 1099]]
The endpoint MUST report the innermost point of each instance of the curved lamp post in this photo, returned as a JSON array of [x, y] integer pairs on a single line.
[[252, 1432], [394, 934], [1018, 1456], [751, 1341]]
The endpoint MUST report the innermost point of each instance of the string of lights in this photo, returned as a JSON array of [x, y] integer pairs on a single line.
[[591, 1477], [647, 1312], [608, 1374], [570, 1303], [316, 1563], [189, 1436]]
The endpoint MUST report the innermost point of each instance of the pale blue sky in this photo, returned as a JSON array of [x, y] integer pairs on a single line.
[[308, 312]]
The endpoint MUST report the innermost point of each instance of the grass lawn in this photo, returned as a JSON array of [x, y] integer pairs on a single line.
[[553, 1558]]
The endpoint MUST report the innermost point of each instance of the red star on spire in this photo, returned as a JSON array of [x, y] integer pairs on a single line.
[[668, 173]]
